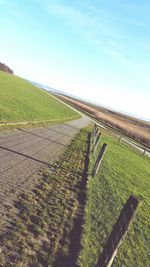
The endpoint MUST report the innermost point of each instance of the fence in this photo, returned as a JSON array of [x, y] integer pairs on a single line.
[[118, 233], [96, 135], [123, 231], [145, 151]]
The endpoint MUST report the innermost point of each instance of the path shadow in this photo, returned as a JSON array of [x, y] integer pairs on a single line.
[[37, 135], [53, 130], [71, 126], [24, 155]]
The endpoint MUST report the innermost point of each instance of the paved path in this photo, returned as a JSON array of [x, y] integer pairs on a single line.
[[25, 151]]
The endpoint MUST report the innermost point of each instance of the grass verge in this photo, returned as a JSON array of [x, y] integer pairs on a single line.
[[44, 232], [45, 216], [123, 172], [4, 127]]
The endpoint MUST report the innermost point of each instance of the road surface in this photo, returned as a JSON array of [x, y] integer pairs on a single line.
[[24, 152]]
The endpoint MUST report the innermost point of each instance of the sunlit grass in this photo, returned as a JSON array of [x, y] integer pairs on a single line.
[[21, 101], [123, 172], [45, 215]]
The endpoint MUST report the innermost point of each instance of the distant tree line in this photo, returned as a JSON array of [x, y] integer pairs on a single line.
[[5, 68]]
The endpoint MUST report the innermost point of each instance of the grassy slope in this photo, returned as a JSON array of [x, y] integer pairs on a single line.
[[123, 172], [21, 101]]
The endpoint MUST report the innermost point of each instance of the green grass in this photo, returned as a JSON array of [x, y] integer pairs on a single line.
[[123, 172], [41, 232], [21, 101], [45, 215]]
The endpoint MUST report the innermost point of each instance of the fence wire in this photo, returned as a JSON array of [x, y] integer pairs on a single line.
[[135, 248]]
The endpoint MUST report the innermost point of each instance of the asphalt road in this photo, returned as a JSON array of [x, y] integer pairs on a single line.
[[24, 152]]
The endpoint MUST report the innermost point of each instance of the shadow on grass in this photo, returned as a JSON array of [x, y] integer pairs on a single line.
[[48, 213], [76, 232]]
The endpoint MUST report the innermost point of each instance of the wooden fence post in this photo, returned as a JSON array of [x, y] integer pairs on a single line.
[[118, 233], [99, 160], [93, 132], [144, 152], [119, 140], [94, 139], [96, 143], [97, 131]]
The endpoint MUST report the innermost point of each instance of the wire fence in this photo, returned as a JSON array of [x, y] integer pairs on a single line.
[[126, 241], [129, 245]]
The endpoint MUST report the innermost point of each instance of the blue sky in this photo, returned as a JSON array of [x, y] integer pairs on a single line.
[[98, 50]]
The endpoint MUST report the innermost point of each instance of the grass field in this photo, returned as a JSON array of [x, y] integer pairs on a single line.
[[123, 172], [21, 101]]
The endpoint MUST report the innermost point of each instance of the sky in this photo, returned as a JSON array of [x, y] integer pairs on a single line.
[[97, 50]]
